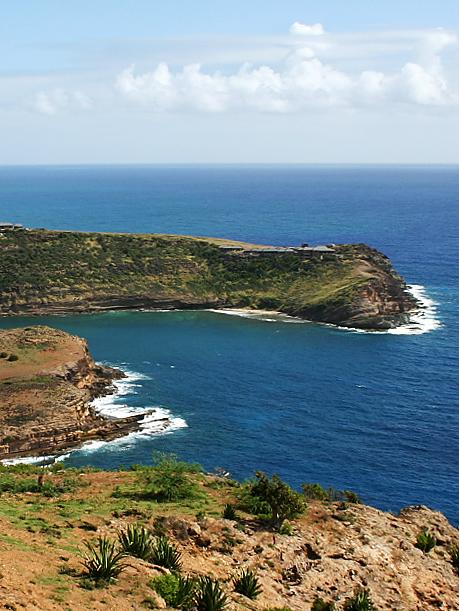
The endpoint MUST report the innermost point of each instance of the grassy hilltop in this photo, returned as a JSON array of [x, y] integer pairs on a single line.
[[49, 271]]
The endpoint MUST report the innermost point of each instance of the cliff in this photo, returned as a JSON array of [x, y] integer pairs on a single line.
[[332, 551], [47, 382], [45, 272]]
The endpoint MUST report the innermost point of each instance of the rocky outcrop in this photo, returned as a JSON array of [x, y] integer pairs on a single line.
[[46, 393]]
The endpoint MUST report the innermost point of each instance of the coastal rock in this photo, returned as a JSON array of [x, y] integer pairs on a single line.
[[46, 393]]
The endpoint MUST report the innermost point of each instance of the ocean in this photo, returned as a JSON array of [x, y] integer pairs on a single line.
[[373, 412]]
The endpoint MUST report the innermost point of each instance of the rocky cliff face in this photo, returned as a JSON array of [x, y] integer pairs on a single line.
[[47, 382]]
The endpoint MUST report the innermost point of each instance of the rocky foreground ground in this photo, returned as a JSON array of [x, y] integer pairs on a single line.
[[332, 551]]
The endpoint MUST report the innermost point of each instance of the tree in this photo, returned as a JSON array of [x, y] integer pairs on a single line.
[[283, 501]]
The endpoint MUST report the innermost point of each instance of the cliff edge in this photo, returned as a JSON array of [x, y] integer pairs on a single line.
[[47, 382]]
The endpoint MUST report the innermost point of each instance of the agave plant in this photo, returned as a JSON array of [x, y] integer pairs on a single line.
[[229, 512], [163, 553], [136, 541], [425, 541], [247, 584], [176, 590], [103, 560], [360, 602], [210, 596]]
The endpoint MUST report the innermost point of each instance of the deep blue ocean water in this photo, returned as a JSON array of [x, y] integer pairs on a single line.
[[377, 413]]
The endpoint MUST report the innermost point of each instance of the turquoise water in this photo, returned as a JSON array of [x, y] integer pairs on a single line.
[[377, 413]]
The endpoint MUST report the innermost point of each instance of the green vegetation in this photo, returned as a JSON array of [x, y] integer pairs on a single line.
[[169, 479], [209, 595], [103, 561], [136, 541], [320, 604], [163, 553], [177, 591], [80, 270], [360, 602], [319, 493], [247, 584], [283, 502], [425, 541]]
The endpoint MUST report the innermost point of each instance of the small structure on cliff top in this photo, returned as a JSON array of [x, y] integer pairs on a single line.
[[4, 226]]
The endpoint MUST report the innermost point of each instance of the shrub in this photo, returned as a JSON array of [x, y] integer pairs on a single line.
[[177, 591], [286, 529], [136, 541], [163, 553], [3, 355], [13, 357], [169, 480], [315, 492], [454, 555], [425, 541], [247, 584], [209, 595], [229, 512], [360, 602], [319, 604], [103, 561], [283, 501]]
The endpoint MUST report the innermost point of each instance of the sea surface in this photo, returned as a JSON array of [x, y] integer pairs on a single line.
[[373, 412]]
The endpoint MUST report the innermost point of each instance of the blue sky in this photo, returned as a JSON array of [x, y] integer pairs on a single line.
[[254, 81]]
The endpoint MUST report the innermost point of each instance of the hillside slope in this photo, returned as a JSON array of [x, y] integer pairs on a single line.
[[45, 272]]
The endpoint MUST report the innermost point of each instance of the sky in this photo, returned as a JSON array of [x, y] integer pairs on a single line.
[[212, 81]]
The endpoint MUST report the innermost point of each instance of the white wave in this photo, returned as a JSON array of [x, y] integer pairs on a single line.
[[424, 319], [156, 421]]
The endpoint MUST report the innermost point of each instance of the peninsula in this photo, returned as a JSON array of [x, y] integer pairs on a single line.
[[55, 272], [48, 380]]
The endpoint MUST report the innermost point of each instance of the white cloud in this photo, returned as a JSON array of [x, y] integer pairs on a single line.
[[53, 101], [302, 29], [301, 81]]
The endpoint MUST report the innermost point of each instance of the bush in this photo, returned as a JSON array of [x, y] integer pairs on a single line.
[[103, 561], [3, 355], [283, 501], [13, 357], [229, 512], [210, 596], [360, 602], [425, 541], [136, 541], [177, 591], [163, 553], [319, 493], [247, 584], [169, 480], [454, 555], [315, 492], [320, 605]]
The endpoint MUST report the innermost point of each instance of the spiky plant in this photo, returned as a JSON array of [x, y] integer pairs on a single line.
[[210, 596], [229, 513], [136, 541], [247, 584], [425, 541], [360, 602], [176, 590], [103, 560], [454, 555], [164, 553], [320, 604]]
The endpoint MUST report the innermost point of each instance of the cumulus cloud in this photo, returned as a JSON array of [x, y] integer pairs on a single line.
[[302, 29], [56, 100], [303, 80]]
